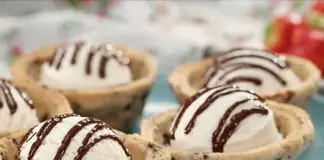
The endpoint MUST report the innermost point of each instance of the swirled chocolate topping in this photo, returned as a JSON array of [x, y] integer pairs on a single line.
[[70, 56], [88, 142], [230, 120], [228, 66], [7, 89]]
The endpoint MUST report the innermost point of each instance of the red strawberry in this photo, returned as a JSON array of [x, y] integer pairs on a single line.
[[318, 6], [309, 43], [278, 33]]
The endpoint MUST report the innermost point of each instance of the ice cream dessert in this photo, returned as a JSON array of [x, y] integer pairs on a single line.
[[259, 70], [227, 122], [86, 66], [286, 79], [223, 119], [105, 81], [72, 137], [16, 109]]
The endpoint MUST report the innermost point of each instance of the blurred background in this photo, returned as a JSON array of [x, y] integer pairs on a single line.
[[174, 32]]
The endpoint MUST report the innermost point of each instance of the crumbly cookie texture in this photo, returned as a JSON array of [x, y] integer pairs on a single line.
[[293, 123]]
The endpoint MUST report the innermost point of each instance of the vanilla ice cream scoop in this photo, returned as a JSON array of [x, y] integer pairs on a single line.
[[16, 109], [254, 69], [72, 137], [223, 119], [86, 66]]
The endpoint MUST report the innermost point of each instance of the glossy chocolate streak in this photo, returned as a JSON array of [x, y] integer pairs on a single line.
[[185, 107], [218, 144], [27, 100], [255, 81], [101, 50], [78, 46], [210, 99], [225, 117], [59, 63], [211, 75], [44, 131], [274, 61], [240, 66], [12, 105], [24, 96], [71, 134], [51, 61], [85, 141], [89, 62], [102, 66], [86, 148], [222, 61]]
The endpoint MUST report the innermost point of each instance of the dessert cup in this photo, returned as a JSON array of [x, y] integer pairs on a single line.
[[139, 148], [187, 79], [293, 123], [47, 103], [120, 105]]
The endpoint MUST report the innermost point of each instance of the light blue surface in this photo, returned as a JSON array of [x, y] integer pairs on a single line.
[[161, 94]]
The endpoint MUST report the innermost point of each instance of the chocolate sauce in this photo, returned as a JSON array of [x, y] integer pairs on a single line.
[[222, 64], [71, 134], [255, 81], [102, 66], [23, 95], [185, 106], [89, 62], [210, 99], [85, 141], [12, 105], [86, 148], [224, 130], [100, 50], [218, 144], [26, 137], [44, 131], [78, 46], [51, 61], [226, 115], [240, 66], [58, 65], [272, 60], [27, 100]]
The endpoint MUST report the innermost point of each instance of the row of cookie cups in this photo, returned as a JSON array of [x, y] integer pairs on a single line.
[[292, 122]]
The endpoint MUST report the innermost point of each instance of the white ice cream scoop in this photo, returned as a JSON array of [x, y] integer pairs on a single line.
[[223, 119], [72, 137], [16, 109], [254, 69], [86, 66]]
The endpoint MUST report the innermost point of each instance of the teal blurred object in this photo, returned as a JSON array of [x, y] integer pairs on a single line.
[[162, 94], [316, 150]]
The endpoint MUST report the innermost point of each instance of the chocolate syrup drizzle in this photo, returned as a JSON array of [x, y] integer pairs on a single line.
[[9, 98], [71, 134], [76, 52], [219, 138], [222, 61], [101, 50], [255, 81], [86, 145]]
